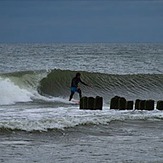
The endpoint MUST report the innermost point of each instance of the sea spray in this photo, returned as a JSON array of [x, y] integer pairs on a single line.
[[11, 93]]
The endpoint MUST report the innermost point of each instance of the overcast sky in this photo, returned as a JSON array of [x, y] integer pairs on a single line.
[[81, 21]]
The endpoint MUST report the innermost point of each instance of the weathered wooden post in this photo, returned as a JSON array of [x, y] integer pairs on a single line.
[[122, 103], [90, 103], [142, 104], [159, 105], [98, 103], [149, 105], [129, 105], [114, 102], [83, 103], [137, 104]]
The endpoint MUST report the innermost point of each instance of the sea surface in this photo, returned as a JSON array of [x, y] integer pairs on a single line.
[[39, 124]]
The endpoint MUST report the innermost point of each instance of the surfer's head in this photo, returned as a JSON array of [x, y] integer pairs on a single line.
[[78, 75]]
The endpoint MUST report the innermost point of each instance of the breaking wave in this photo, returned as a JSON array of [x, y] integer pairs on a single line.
[[28, 85], [57, 83], [53, 86], [19, 86]]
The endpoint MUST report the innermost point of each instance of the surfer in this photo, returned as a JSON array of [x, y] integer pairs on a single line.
[[74, 85]]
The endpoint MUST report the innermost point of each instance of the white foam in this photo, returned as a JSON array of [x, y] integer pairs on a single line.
[[52, 99], [11, 93], [42, 119]]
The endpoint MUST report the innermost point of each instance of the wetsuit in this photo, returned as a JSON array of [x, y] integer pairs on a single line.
[[74, 87]]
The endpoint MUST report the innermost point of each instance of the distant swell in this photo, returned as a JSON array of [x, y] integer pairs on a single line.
[[57, 83]]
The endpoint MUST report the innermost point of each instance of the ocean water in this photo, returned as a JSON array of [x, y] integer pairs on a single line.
[[39, 124]]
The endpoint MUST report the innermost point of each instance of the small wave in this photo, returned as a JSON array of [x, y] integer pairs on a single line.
[[62, 118]]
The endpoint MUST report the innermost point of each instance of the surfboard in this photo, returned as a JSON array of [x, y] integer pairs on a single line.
[[73, 101]]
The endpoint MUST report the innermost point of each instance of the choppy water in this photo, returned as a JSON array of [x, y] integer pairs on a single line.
[[38, 123]]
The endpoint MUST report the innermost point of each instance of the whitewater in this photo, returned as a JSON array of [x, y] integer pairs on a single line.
[[38, 123]]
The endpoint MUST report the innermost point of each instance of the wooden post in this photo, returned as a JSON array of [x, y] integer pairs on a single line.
[[159, 105], [90, 103], [114, 102], [142, 104], [83, 103], [149, 105], [137, 104], [122, 103], [98, 103], [129, 105]]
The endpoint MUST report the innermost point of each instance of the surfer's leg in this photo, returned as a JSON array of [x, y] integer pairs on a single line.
[[80, 93], [72, 93], [73, 90]]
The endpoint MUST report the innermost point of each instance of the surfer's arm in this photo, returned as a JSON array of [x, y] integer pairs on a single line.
[[83, 83]]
